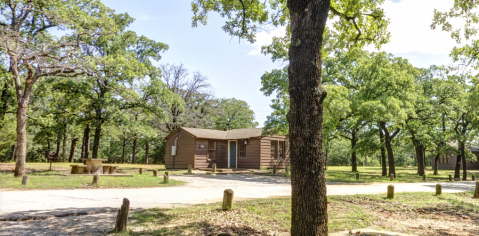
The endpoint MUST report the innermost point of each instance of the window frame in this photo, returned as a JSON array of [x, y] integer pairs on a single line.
[[282, 149], [274, 151], [212, 150], [242, 149]]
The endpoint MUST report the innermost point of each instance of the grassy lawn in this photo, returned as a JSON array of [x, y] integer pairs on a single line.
[[413, 213], [373, 174], [42, 178]]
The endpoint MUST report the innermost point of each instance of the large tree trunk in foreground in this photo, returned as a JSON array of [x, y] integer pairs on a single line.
[[72, 149], [383, 155], [309, 206], [96, 141]]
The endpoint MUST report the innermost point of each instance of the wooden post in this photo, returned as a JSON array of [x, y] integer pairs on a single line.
[[166, 173], [51, 164], [474, 177], [96, 178], [391, 177], [228, 200], [274, 169], [213, 168], [424, 177], [122, 217], [357, 176], [155, 173], [476, 191], [190, 169], [390, 191], [166, 178], [141, 171], [438, 189], [25, 180]]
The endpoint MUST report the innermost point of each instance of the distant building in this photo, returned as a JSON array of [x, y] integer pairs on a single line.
[[238, 148], [448, 161]]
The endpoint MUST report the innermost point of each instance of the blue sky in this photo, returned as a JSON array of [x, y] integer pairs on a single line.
[[234, 69]]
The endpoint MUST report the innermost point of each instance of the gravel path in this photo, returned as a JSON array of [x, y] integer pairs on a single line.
[[100, 205]]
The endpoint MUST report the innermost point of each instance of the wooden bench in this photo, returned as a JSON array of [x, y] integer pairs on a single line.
[[109, 168], [78, 169]]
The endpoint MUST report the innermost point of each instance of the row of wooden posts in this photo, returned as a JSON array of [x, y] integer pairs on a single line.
[[390, 193], [424, 177], [122, 214]]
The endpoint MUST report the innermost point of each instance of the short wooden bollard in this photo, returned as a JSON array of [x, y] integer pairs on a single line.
[[189, 168], [96, 178], [357, 176], [424, 177], [391, 177], [274, 169], [228, 200], [122, 217], [25, 180], [473, 177], [155, 173], [141, 171], [166, 179], [450, 177], [476, 191], [438, 189], [390, 191], [213, 168]]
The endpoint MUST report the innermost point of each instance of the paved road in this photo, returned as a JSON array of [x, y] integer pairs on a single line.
[[201, 189]]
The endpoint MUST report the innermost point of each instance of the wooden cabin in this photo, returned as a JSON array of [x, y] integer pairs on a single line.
[[238, 148], [448, 161]]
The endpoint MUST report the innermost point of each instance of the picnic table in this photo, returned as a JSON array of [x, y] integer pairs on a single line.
[[93, 166]]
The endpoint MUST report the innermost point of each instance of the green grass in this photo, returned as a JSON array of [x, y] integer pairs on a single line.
[[373, 174], [273, 216], [40, 177]]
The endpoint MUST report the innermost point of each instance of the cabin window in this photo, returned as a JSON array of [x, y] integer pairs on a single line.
[[274, 149], [242, 148], [282, 149], [211, 149]]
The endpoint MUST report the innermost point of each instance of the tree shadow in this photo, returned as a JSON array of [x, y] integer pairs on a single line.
[[261, 179]]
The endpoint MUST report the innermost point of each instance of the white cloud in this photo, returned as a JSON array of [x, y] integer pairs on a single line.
[[265, 37]]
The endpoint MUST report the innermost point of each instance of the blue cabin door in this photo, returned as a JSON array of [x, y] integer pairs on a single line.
[[232, 153]]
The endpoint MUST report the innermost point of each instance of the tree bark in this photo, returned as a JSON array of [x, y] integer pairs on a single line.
[[21, 139], [123, 149], [436, 162], [457, 169], [147, 149], [12, 154], [388, 139], [420, 159], [463, 157], [72, 149], [64, 150], [85, 150], [309, 206], [133, 156], [57, 150], [96, 141], [354, 160], [383, 155]]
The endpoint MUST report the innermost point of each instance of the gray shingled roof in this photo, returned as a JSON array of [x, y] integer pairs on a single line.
[[230, 134]]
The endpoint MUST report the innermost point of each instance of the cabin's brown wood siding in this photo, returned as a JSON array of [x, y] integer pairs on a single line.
[[449, 162], [253, 150], [201, 154], [185, 152], [266, 160]]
